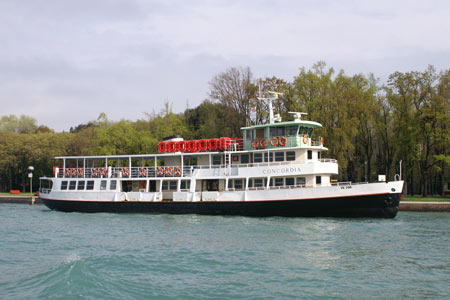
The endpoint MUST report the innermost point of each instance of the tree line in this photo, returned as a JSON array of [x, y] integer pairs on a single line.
[[368, 126]]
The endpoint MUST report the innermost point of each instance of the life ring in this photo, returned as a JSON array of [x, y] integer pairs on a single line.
[[80, 172], [305, 139], [160, 171], [168, 171], [177, 171], [255, 143], [171, 146], [94, 172], [263, 143], [213, 144], [162, 147], [274, 141], [103, 172], [203, 145], [192, 145], [67, 172], [125, 172], [74, 172], [180, 146], [283, 141], [142, 172]]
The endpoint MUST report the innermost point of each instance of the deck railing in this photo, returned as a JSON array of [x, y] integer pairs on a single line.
[[163, 171]]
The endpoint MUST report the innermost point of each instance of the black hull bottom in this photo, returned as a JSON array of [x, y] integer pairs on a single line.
[[373, 206]]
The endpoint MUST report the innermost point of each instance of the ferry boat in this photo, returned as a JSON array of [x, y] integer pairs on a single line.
[[274, 169]]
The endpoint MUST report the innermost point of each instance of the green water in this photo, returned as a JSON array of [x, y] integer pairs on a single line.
[[52, 255]]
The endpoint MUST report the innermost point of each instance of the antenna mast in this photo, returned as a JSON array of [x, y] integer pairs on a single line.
[[273, 96]]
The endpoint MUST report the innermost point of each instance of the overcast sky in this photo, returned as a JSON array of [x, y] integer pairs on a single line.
[[65, 62]]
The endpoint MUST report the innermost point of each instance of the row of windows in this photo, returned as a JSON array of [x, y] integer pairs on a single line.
[[262, 182], [89, 185], [279, 131], [171, 185]]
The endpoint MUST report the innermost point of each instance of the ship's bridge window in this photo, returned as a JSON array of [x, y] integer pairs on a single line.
[[64, 185], [80, 185], [113, 184], [291, 130], [90, 185], [290, 155], [277, 131], [72, 185], [249, 134], [279, 156], [257, 157]]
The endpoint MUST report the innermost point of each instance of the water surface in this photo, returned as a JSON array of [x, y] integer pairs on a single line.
[[53, 255]]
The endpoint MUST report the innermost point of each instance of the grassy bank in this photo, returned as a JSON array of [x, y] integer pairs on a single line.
[[418, 198], [15, 195]]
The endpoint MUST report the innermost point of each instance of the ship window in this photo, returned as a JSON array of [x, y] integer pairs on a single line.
[[309, 154], [103, 185], [173, 185], [250, 183], [268, 156], [230, 183], [244, 158], [72, 185], [80, 185], [291, 131], [165, 185], [258, 182], [249, 135], [238, 183], [290, 181], [216, 160], [279, 181], [257, 157], [112, 185], [318, 155], [64, 185], [279, 156], [185, 184], [301, 180], [273, 131], [280, 131], [90, 185], [290, 155], [318, 179]]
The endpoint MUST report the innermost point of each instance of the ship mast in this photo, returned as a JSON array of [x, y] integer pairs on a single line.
[[272, 96]]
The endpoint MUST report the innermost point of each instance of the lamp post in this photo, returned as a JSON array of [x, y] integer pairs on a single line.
[[30, 175]]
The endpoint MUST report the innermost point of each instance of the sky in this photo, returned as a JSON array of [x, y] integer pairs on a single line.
[[65, 62]]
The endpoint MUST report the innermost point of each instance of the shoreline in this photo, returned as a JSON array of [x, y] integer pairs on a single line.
[[404, 205]]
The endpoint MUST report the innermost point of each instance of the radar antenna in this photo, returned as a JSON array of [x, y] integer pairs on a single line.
[[272, 96]]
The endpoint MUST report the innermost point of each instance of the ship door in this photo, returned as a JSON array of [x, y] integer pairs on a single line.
[[152, 186]]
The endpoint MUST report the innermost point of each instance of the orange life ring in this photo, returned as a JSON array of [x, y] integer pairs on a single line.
[[80, 172], [192, 145], [125, 172], [213, 144], [177, 171], [283, 141], [305, 139], [142, 172], [103, 172], [168, 171], [255, 143], [203, 145], [160, 171], [263, 143], [67, 172], [94, 172], [74, 172], [274, 141]]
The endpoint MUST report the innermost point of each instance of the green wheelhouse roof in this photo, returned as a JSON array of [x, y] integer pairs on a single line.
[[310, 124]]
